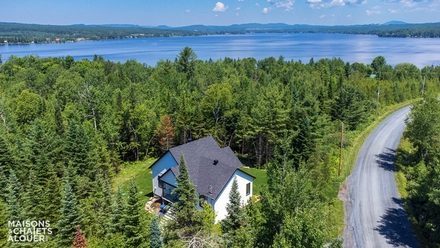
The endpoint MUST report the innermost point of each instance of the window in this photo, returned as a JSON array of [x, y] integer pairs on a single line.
[[248, 189]]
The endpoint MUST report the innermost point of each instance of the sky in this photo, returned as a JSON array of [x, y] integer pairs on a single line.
[[176, 13]]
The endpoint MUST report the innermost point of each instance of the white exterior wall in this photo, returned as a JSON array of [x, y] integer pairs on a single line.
[[223, 198]]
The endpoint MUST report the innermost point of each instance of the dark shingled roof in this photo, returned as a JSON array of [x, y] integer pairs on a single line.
[[209, 178]]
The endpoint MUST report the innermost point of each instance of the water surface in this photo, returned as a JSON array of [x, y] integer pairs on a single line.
[[350, 48]]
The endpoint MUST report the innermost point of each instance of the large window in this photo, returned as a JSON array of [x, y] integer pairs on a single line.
[[248, 189]]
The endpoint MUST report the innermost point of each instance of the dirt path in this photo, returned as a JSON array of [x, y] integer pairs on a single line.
[[373, 209]]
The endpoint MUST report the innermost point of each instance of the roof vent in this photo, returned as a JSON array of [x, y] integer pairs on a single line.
[[210, 189], [215, 161]]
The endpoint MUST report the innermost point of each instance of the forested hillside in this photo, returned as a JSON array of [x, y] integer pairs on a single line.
[[20, 33], [67, 126]]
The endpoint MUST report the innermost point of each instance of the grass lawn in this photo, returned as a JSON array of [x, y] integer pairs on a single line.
[[141, 176], [260, 179]]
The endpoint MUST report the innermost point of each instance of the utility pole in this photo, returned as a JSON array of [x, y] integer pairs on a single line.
[[377, 104], [340, 150]]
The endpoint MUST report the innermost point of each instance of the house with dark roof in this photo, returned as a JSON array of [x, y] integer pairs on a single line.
[[211, 168]]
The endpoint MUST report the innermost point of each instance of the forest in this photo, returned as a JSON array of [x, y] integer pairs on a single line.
[[67, 127], [19, 33], [418, 159]]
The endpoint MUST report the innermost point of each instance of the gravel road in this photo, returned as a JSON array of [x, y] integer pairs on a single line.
[[373, 209]]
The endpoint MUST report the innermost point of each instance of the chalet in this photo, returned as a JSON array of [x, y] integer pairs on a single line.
[[211, 168]]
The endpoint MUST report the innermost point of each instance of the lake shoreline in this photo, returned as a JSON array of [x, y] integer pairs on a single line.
[[291, 46]]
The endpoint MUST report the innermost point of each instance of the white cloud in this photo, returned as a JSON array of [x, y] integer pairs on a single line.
[[349, 16], [237, 9], [216, 15], [287, 4], [317, 4], [393, 11], [187, 11], [265, 10], [257, 4], [408, 3], [220, 7], [237, 15], [321, 16], [337, 3], [374, 10], [423, 9]]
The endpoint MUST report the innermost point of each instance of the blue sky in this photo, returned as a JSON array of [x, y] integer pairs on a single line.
[[225, 12]]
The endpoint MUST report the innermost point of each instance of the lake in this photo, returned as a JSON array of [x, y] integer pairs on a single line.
[[302, 46]]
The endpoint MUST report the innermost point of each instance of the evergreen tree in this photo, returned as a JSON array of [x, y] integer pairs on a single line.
[[117, 218], [186, 210], [186, 62], [70, 217], [165, 133], [3, 185], [51, 197], [77, 148], [32, 198], [80, 239], [155, 239], [97, 207], [5, 156], [132, 218], [5, 166], [303, 142], [15, 190], [3, 224], [38, 149], [235, 216]]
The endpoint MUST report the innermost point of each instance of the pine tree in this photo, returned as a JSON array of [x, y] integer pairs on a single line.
[[234, 209], [32, 197], [235, 217], [80, 239], [77, 148], [37, 150], [117, 219], [51, 198], [70, 217], [3, 224], [132, 218], [186, 210], [165, 133], [5, 156], [3, 185], [155, 239], [15, 189], [98, 207], [5, 166]]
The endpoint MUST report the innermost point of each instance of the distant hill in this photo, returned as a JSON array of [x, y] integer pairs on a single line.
[[395, 23], [19, 33]]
